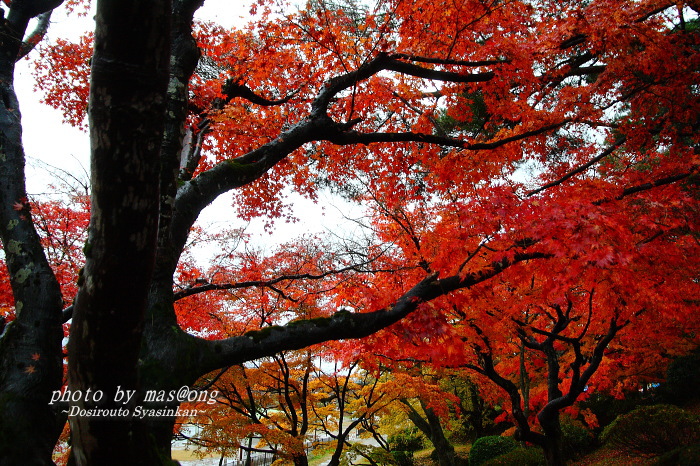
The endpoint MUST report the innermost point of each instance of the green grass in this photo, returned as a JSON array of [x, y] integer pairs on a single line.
[[320, 455]]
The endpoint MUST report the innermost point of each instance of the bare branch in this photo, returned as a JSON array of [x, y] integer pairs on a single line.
[[517, 137], [393, 64], [355, 137], [381, 62]]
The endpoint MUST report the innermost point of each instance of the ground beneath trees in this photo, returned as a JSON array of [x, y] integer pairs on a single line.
[[600, 457], [188, 458], [608, 457]]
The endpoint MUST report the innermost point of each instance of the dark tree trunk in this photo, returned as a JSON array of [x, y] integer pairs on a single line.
[[167, 363], [338, 452], [432, 428], [127, 108], [340, 442], [443, 448], [552, 442], [30, 346], [552, 455]]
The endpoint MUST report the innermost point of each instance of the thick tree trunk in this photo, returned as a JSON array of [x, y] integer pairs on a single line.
[[161, 428], [127, 107], [30, 347], [552, 441], [553, 456], [167, 363]]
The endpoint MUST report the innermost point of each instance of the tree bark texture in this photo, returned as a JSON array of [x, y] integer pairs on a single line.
[[127, 108], [30, 346]]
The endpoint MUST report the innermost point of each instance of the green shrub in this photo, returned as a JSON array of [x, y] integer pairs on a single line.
[[686, 456], [403, 458], [520, 456], [653, 430], [489, 447], [577, 441], [358, 452], [408, 440]]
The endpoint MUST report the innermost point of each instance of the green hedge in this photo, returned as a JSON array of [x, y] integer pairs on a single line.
[[409, 440], [686, 456], [402, 458], [653, 430], [486, 448]]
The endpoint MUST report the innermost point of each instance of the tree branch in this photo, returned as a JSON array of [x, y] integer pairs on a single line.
[[517, 137], [268, 283], [32, 8], [33, 38], [355, 137], [581, 168], [441, 61], [233, 88], [388, 62], [655, 184], [343, 324], [392, 64]]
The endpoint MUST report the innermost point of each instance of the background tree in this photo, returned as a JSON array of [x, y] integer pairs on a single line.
[[268, 401], [428, 407], [475, 415], [546, 357], [351, 398], [37, 326]]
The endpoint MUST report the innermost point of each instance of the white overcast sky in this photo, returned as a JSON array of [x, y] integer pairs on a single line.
[[48, 141]]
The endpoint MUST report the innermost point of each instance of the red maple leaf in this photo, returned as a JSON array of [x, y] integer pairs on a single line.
[[21, 204]]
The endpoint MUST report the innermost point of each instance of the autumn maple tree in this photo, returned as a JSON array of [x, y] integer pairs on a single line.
[[265, 407], [576, 323], [353, 399], [530, 166]]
